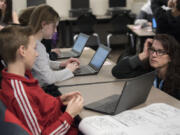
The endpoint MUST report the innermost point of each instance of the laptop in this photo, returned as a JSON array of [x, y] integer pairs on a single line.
[[135, 92], [96, 62], [77, 48], [154, 24]]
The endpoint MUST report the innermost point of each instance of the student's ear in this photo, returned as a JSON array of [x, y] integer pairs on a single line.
[[22, 50], [43, 24]]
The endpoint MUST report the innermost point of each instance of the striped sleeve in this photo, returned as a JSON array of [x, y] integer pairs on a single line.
[[26, 109]]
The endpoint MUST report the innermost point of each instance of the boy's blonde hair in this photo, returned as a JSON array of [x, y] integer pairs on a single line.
[[11, 38], [43, 13]]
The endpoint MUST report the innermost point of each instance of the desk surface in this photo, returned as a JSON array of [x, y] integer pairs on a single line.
[[99, 17], [96, 92], [142, 32], [103, 76]]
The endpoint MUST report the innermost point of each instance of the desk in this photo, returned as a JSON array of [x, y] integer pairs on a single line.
[[103, 76], [142, 34], [75, 18], [96, 92]]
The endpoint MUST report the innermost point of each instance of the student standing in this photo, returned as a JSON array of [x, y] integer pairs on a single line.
[[21, 93], [162, 54], [44, 21]]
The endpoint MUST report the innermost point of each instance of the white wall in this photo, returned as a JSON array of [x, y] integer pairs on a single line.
[[19, 5], [99, 7]]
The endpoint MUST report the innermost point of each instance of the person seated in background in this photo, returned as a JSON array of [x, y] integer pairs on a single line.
[[41, 113], [168, 21], [145, 15], [46, 71], [7, 16], [25, 14], [162, 54], [24, 17]]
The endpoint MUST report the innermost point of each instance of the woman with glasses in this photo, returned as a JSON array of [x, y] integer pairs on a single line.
[[162, 54], [7, 15]]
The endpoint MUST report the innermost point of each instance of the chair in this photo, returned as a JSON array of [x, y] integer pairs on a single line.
[[10, 124], [85, 24], [119, 22]]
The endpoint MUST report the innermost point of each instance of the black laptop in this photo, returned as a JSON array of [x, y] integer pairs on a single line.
[[77, 48], [96, 62], [135, 92]]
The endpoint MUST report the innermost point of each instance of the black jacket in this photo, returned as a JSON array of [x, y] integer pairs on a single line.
[[130, 67], [166, 22]]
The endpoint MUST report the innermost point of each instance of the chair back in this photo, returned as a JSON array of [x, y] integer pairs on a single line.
[[10, 124], [86, 22], [119, 22]]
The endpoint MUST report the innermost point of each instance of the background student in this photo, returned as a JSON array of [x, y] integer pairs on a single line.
[[24, 15], [145, 12], [38, 111], [7, 15], [161, 53], [168, 21], [44, 20]]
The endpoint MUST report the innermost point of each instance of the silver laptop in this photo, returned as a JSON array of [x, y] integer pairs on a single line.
[[135, 92], [96, 62], [77, 48]]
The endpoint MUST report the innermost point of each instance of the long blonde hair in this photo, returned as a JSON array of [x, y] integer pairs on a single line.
[[43, 13]]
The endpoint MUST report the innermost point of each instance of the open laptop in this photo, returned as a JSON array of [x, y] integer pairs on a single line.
[[77, 48], [96, 62], [135, 92]]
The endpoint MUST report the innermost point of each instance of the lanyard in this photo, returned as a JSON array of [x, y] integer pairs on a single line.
[[158, 84]]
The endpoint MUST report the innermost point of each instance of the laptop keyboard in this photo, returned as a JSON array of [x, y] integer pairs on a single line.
[[67, 54], [106, 105], [84, 69]]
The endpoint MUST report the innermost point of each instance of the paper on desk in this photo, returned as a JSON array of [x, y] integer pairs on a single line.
[[156, 119], [86, 48], [107, 63]]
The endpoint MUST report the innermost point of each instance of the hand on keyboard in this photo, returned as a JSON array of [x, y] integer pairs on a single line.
[[72, 66]]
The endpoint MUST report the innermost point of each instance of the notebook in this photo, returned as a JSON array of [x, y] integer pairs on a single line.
[[77, 48], [135, 92], [96, 62]]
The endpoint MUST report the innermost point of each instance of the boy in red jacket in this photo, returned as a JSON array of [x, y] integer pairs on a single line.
[[21, 93]]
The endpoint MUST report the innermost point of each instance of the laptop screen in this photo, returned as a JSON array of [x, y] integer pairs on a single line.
[[99, 57], [154, 24], [80, 43]]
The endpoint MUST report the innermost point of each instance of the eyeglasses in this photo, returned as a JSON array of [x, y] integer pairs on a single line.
[[158, 52]]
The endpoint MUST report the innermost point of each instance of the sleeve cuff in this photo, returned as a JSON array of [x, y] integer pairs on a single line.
[[68, 118]]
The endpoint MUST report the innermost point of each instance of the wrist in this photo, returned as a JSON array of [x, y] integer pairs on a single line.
[[142, 56], [71, 114]]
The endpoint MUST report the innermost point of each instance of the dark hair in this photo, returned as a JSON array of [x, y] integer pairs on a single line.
[[25, 15], [178, 4], [11, 38], [172, 81], [8, 12]]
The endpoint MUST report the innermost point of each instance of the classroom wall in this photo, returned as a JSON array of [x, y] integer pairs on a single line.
[[99, 7]]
